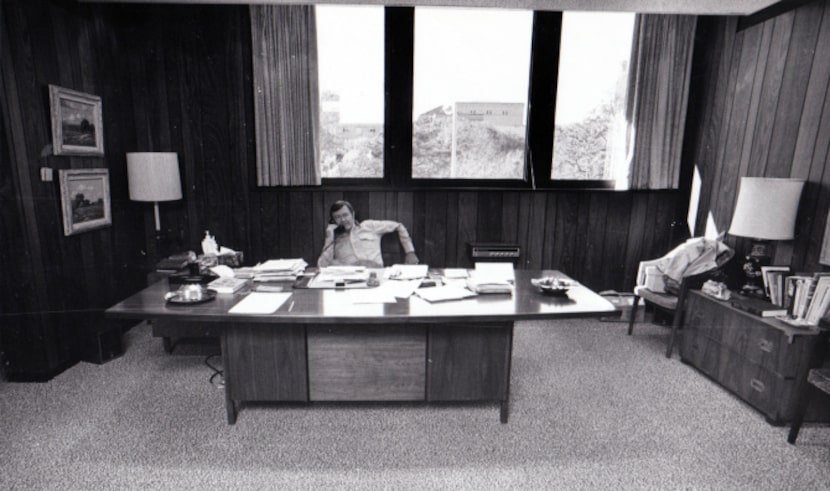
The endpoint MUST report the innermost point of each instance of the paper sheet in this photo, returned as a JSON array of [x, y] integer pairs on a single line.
[[400, 289], [374, 295], [407, 271], [442, 293], [260, 303], [455, 273]]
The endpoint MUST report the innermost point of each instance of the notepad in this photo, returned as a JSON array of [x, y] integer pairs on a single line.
[[260, 303]]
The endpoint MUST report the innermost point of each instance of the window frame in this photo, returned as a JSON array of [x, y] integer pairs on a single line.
[[399, 41]]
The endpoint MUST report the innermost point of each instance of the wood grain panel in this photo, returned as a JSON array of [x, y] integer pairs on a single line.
[[366, 364], [469, 363], [269, 363]]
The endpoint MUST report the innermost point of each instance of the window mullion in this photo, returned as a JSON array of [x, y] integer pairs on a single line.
[[397, 145]]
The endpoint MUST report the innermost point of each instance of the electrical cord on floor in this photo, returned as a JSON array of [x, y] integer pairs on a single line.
[[216, 371]]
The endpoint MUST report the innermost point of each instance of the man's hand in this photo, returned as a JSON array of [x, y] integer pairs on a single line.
[[330, 229], [411, 258]]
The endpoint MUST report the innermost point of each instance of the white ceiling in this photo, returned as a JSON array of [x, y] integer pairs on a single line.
[[700, 7]]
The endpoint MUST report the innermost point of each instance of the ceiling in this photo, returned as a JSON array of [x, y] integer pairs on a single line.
[[699, 7]]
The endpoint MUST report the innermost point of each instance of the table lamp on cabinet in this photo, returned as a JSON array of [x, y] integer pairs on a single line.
[[154, 176], [765, 211]]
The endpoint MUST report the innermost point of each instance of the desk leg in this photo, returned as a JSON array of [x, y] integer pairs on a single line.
[[230, 405], [167, 343], [504, 411]]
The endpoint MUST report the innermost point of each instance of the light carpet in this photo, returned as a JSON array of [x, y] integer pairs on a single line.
[[591, 408]]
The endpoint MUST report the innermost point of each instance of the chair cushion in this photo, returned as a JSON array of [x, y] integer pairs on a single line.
[[664, 300]]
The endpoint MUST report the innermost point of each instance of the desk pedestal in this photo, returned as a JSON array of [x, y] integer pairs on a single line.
[[377, 362]]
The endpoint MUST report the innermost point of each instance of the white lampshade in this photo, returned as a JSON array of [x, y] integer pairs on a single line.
[[766, 208], [154, 176]]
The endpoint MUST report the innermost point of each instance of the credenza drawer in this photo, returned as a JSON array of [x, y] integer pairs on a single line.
[[748, 336], [763, 389]]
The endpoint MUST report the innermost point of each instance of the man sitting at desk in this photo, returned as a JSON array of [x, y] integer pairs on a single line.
[[353, 243]]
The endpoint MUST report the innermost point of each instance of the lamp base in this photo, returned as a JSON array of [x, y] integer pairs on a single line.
[[758, 256]]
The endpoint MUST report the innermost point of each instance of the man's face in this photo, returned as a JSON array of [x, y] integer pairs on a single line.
[[343, 217]]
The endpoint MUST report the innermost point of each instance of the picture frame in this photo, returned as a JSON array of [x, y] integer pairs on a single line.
[[85, 199], [824, 255], [77, 122]]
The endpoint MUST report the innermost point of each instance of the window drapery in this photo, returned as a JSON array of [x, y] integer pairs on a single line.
[[658, 89], [286, 102]]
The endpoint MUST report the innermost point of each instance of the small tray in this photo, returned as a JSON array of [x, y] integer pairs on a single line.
[[178, 300], [554, 287]]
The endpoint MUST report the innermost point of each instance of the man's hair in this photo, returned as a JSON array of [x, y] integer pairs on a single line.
[[337, 205]]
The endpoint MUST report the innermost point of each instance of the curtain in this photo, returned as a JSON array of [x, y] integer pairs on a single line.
[[286, 116], [658, 89]]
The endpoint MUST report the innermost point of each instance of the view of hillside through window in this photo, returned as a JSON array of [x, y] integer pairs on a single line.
[[590, 128], [350, 42], [471, 74]]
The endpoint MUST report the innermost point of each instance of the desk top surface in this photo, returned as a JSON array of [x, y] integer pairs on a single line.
[[336, 306]]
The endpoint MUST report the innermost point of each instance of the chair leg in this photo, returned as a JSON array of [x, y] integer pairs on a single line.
[[675, 326], [633, 314]]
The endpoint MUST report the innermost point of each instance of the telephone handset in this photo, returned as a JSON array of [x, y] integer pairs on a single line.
[[340, 230]]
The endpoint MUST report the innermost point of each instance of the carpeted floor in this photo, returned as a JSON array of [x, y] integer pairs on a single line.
[[591, 409]]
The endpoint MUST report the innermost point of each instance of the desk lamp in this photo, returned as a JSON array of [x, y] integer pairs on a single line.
[[765, 211], [154, 176]]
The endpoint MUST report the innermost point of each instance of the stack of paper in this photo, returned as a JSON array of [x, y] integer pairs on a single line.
[[443, 293], [492, 278], [279, 270], [227, 284], [407, 271]]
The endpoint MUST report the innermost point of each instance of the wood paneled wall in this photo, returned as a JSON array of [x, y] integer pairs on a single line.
[[767, 113]]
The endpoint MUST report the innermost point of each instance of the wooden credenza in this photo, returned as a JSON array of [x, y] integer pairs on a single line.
[[763, 361]]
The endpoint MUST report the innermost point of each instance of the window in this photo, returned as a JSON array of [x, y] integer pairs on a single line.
[[590, 127], [471, 73], [350, 44]]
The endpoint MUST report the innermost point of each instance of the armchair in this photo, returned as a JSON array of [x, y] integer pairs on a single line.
[[663, 283]]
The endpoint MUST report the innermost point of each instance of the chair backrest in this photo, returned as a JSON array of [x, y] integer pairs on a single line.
[[391, 249]]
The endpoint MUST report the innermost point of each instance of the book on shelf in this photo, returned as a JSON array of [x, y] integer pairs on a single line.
[[227, 284], [757, 306], [773, 280]]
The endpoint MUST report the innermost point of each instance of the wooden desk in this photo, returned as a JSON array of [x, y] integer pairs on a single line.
[[327, 349]]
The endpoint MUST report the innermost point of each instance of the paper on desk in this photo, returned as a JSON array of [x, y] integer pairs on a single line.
[[407, 271], [442, 293], [260, 303], [455, 273], [374, 295], [222, 271], [400, 289]]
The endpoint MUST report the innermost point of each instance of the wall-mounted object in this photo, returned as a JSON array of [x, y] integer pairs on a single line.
[[85, 199], [154, 176], [824, 258], [77, 122], [765, 211]]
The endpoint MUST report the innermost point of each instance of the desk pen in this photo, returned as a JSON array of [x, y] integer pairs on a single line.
[[291, 307]]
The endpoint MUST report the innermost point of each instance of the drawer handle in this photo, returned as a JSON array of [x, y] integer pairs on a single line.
[[765, 345], [757, 385]]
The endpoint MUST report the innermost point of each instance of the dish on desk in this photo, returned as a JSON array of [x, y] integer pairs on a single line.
[[552, 286], [189, 295]]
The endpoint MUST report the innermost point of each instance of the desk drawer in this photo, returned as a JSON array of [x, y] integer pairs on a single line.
[[386, 363]]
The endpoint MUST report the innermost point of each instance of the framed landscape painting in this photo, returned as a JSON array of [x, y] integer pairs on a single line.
[[85, 199], [77, 122]]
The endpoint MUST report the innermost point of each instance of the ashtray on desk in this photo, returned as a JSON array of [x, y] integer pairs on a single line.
[[189, 295], [552, 286]]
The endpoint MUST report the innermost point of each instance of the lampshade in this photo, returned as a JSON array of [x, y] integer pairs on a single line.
[[766, 208], [154, 176]]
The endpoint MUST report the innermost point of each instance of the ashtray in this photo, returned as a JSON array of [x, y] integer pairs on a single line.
[[552, 286], [189, 295]]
